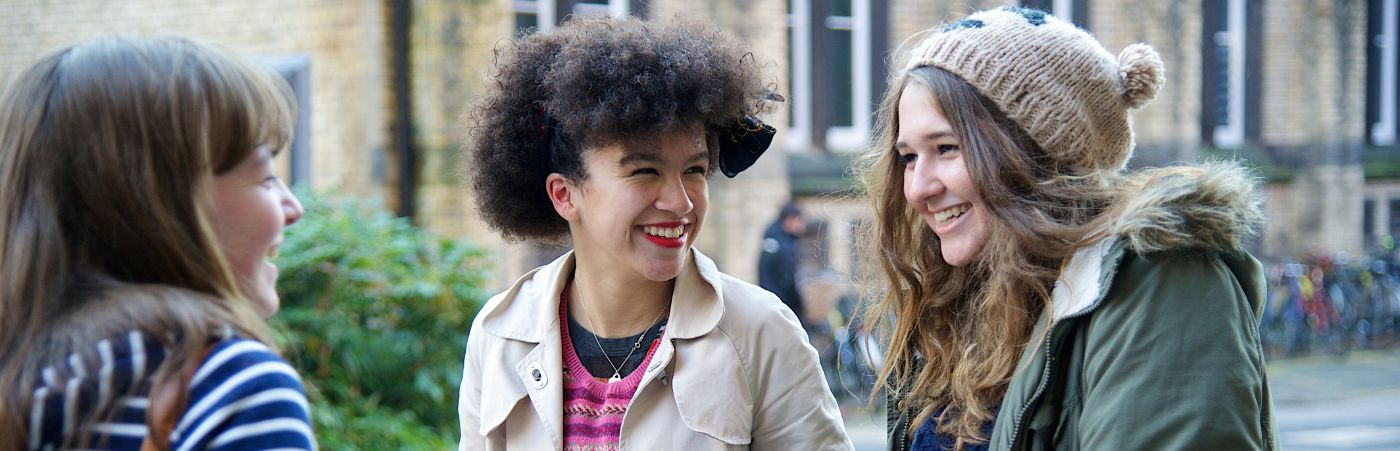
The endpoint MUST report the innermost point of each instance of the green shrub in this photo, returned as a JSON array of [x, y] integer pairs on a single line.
[[375, 315]]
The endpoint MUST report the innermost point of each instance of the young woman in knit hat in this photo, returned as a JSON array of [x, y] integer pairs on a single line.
[[139, 214], [1034, 294], [604, 133]]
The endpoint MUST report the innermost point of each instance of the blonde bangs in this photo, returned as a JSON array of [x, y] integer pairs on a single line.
[[255, 100]]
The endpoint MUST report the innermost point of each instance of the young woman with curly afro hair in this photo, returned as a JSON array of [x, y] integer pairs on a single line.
[[604, 133]]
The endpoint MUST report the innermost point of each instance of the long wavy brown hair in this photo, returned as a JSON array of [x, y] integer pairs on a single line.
[[107, 153], [954, 334]]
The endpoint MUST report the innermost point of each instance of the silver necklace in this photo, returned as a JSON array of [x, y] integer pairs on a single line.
[[617, 370]]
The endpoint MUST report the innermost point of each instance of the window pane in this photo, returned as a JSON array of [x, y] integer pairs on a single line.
[[591, 7], [1368, 219], [1222, 76], [840, 65], [1394, 217], [792, 71], [1222, 85], [525, 24], [840, 7]]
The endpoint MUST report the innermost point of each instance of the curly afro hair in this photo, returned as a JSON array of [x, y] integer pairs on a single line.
[[595, 81]]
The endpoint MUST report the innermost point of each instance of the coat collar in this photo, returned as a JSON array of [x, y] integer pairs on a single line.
[[528, 311], [1084, 281]]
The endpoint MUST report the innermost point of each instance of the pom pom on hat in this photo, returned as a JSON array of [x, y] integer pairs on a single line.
[[1143, 74]]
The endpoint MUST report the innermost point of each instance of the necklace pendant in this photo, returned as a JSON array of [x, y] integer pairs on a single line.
[[614, 378]]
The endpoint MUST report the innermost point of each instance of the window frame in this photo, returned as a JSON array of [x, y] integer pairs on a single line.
[[1232, 133], [1383, 51], [854, 136], [1072, 11], [296, 70], [1229, 22], [860, 24], [550, 13]]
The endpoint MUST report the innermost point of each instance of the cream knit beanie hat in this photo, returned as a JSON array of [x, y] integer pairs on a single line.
[[1055, 80]]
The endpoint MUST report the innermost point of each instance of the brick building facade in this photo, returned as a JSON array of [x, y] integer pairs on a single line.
[[1305, 90], [333, 49]]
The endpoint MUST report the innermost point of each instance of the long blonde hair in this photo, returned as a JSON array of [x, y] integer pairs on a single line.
[[954, 334], [107, 152]]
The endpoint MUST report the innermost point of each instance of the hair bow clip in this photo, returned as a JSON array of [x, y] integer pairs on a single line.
[[741, 143]]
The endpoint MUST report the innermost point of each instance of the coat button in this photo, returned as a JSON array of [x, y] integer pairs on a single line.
[[536, 374]]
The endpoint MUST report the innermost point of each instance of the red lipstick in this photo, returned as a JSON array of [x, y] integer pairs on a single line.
[[662, 241]]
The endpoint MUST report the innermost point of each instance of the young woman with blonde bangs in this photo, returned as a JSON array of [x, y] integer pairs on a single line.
[[138, 218], [1032, 292]]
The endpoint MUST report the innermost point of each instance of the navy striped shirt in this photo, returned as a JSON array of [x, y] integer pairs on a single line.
[[243, 396]]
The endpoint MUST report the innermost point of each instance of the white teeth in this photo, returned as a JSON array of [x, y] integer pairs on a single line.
[[948, 214], [664, 232]]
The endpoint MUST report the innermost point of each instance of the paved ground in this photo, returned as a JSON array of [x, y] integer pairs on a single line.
[[1328, 403], [867, 431], [1321, 403]]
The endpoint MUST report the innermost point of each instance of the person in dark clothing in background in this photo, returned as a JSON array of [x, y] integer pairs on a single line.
[[777, 265]]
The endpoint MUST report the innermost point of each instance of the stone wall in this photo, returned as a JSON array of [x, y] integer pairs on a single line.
[[1314, 73], [343, 41], [1313, 108]]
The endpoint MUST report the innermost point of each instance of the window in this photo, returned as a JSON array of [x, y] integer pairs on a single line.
[[832, 96], [841, 26], [593, 7], [1073, 11], [799, 69], [545, 14], [527, 16], [1227, 100], [1393, 225], [1381, 79], [1368, 222], [297, 71], [1229, 96]]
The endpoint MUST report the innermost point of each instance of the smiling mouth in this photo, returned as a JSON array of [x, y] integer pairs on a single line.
[[664, 232], [949, 214], [669, 235]]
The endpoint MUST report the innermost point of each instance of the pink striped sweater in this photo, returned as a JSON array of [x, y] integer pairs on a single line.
[[593, 408]]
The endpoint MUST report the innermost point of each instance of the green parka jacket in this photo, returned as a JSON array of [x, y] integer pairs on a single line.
[[1151, 339]]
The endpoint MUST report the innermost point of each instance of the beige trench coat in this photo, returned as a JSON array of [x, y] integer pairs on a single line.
[[735, 373]]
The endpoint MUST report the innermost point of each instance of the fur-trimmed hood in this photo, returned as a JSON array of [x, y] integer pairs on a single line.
[[1213, 207], [1216, 206]]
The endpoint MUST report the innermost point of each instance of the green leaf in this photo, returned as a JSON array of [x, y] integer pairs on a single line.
[[375, 315]]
